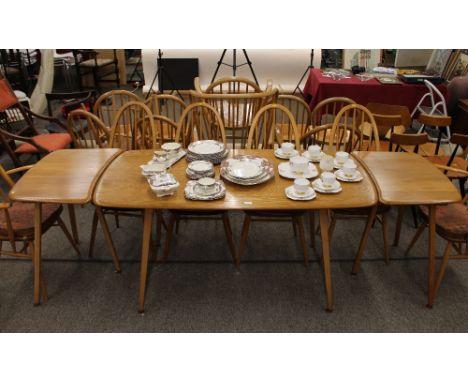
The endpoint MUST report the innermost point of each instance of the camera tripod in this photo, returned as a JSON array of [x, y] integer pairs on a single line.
[[311, 66], [159, 75], [234, 65]]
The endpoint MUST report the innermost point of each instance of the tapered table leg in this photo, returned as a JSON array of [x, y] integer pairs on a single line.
[[324, 225], [37, 252], [108, 237], [364, 237], [71, 214], [432, 259], [147, 223]]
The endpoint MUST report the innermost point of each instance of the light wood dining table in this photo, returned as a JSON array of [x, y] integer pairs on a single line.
[[65, 177], [123, 186], [409, 179]]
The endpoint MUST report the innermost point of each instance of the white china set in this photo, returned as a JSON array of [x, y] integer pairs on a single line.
[[247, 170], [207, 150]]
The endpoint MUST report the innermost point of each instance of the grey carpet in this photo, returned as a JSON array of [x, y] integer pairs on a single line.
[[199, 290]]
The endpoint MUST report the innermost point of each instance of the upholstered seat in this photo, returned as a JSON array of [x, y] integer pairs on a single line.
[[22, 219], [51, 142], [452, 221]]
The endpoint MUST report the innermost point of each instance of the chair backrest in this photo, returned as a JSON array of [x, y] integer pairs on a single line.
[[236, 111], [389, 116], [434, 120], [166, 105], [299, 108], [166, 129], [265, 132], [354, 128], [87, 130], [200, 121], [406, 142], [133, 128], [70, 101], [109, 103], [233, 85]]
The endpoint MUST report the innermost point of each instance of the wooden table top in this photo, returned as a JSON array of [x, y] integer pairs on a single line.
[[123, 186], [64, 176], [407, 178]]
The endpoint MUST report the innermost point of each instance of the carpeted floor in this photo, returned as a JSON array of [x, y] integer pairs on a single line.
[[199, 290]]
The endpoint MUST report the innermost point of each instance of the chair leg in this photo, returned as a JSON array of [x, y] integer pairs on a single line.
[[116, 217], [177, 221], [243, 239], [300, 226], [415, 216], [365, 235], [93, 234], [170, 229], [416, 237], [312, 228], [294, 227], [331, 229], [159, 221], [108, 238], [443, 266], [385, 238], [68, 235], [228, 231], [461, 182], [71, 214], [401, 211]]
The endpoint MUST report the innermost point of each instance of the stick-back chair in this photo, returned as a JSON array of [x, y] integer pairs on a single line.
[[109, 103], [233, 85], [17, 223], [300, 110], [87, 130]]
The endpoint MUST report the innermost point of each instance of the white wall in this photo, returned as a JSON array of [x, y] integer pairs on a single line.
[[283, 66]]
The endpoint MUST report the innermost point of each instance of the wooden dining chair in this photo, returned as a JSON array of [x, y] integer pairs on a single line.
[[321, 119], [439, 122], [17, 223], [87, 130], [232, 85], [449, 164], [299, 109], [264, 134], [88, 62], [109, 103], [451, 222], [199, 121], [236, 110]]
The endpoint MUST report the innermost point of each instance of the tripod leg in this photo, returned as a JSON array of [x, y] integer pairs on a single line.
[[219, 64], [250, 66], [299, 83]]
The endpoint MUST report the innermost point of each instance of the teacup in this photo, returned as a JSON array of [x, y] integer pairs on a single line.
[[326, 163], [160, 156], [301, 185], [299, 164], [171, 148], [207, 185], [314, 151], [349, 168], [328, 179], [341, 157], [287, 148]]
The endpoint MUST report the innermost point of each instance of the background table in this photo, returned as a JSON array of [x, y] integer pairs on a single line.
[[134, 192], [65, 177], [409, 179], [318, 88]]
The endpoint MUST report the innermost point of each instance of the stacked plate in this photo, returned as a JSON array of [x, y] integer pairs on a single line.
[[200, 169], [208, 150], [195, 191], [247, 170]]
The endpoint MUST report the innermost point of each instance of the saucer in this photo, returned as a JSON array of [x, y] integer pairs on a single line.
[[318, 186], [285, 171], [291, 194], [313, 159], [345, 178], [279, 154], [337, 165]]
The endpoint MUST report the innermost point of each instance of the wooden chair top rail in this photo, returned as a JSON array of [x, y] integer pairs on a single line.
[[407, 179], [134, 192], [233, 96], [64, 176]]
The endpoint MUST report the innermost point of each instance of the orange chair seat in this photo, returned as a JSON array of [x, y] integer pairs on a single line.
[[51, 142], [458, 162], [22, 219], [451, 221]]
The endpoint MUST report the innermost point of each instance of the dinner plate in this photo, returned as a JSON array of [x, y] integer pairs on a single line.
[[345, 178], [292, 194], [245, 170], [279, 154], [170, 146], [285, 171], [207, 147], [318, 186], [200, 166]]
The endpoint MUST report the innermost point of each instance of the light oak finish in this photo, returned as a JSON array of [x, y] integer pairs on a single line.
[[409, 179], [87, 130], [166, 105], [134, 192], [299, 109], [109, 103], [232, 85], [65, 177]]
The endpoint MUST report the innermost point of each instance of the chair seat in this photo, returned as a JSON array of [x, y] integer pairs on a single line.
[[22, 219], [451, 221], [457, 163], [51, 142], [100, 62], [381, 209]]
